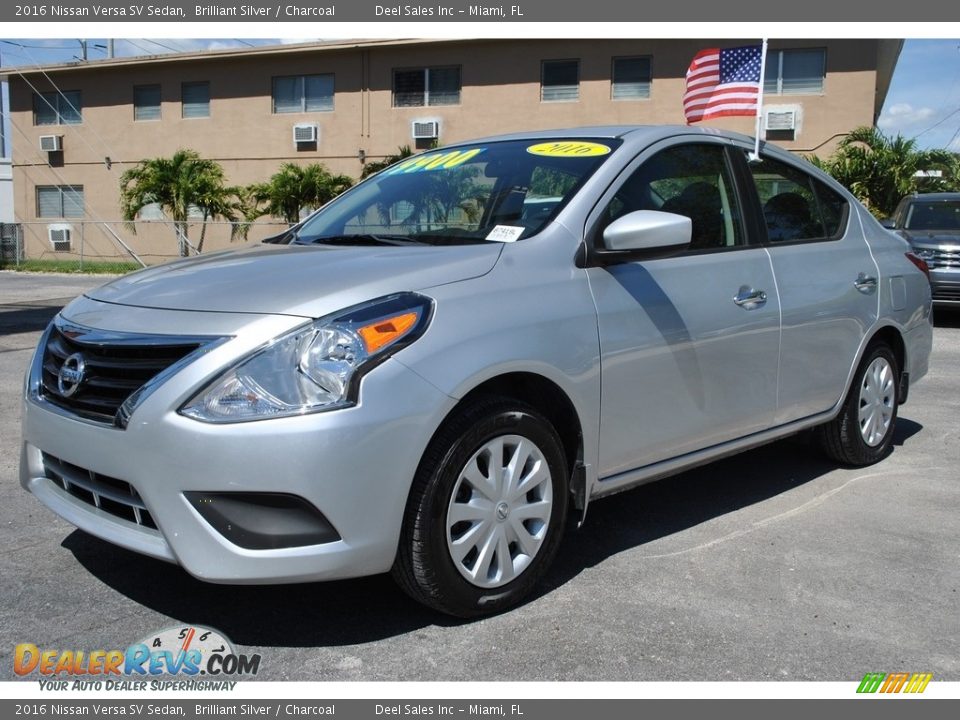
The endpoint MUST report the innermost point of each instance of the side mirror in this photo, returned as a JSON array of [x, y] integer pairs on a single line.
[[648, 230], [889, 224]]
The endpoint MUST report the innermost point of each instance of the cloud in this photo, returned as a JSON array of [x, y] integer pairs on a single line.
[[901, 116]]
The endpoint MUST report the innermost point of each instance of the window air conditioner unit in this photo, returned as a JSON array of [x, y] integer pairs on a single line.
[[51, 143], [425, 130], [305, 133], [782, 120], [60, 235]]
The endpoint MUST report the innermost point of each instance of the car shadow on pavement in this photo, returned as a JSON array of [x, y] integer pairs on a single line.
[[350, 612], [660, 509], [29, 316], [946, 317]]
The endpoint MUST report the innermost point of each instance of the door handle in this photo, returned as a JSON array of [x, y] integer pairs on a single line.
[[865, 283], [749, 299]]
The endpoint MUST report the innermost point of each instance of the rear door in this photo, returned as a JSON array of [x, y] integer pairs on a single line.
[[689, 344], [827, 281]]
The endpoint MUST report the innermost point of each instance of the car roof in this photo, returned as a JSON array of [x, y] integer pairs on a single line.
[[935, 197]]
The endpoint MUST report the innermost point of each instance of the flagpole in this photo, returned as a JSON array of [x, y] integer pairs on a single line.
[[755, 155]]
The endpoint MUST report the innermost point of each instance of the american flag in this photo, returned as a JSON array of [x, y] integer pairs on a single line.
[[723, 82]]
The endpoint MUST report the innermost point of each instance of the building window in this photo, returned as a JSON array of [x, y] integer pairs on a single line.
[[560, 80], [795, 72], [195, 99], [303, 93], [630, 78], [60, 201], [57, 108], [146, 102], [419, 87]]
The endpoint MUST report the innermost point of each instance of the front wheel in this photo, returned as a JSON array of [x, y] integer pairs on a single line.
[[486, 510], [863, 431]]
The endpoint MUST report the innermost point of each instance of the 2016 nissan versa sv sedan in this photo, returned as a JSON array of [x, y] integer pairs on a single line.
[[454, 356]]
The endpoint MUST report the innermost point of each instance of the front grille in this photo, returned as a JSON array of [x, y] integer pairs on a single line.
[[113, 496], [947, 292], [944, 259], [113, 369]]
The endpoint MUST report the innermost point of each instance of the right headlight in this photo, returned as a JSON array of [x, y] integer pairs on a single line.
[[316, 367]]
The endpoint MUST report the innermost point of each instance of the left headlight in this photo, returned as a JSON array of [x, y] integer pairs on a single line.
[[316, 367]]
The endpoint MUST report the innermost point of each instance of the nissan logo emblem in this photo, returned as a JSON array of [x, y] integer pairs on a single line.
[[71, 375]]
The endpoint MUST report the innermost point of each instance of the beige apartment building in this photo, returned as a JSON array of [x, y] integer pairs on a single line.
[[78, 126]]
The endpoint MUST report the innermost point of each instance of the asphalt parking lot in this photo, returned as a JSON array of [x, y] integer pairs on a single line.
[[772, 565]]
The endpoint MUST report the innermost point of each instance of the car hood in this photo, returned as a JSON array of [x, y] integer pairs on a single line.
[[932, 237], [310, 281]]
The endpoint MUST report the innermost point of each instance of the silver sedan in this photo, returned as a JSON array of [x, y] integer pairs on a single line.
[[458, 355]]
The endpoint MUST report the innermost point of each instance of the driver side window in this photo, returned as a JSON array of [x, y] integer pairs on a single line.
[[692, 180]]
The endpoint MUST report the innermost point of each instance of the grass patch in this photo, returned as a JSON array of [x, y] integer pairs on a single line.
[[88, 267]]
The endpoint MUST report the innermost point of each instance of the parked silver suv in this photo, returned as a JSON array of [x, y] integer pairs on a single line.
[[930, 222], [460, 352]]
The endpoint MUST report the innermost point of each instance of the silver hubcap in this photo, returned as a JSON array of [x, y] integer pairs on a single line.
[[877, 396], [499, 512]]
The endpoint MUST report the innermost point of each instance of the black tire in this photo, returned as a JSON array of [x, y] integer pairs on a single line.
[[425, 567], [842, 438]]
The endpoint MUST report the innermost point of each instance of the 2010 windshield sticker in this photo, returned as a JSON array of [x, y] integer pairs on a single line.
[[568, 148], [434, 161]]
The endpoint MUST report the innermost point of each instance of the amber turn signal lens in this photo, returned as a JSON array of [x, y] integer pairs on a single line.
[[383, 332]]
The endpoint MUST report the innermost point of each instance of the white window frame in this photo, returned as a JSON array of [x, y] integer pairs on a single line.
[[775, 57], [426, 85], [302, 84], [543, 72], [77, 190]]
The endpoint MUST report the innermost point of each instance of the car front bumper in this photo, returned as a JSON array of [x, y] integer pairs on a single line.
[[355, 465]]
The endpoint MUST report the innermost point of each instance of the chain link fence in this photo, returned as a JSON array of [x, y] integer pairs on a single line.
[[85, 245]]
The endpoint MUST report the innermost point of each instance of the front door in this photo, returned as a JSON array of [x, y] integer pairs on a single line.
[[689, 344]]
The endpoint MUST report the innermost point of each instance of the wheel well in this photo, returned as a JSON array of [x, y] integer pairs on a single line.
[[544, 395], [891, 336]]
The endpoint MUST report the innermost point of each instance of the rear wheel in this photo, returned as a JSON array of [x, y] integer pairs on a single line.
[[486, 511], [863, 431]]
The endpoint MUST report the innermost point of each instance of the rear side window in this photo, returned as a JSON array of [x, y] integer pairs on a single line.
[[796, 206]]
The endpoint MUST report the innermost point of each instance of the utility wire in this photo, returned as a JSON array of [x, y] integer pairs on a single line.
[[103, 143], [938, 123], [165, 47], [45, 162], [38, 47]]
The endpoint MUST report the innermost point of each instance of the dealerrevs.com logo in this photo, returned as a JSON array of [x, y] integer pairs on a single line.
[[184, 651]]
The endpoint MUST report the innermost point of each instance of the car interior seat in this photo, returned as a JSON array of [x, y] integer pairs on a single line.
[[700, 201], [788, 218]]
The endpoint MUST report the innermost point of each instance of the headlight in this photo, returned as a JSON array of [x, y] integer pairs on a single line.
[[316, 367]]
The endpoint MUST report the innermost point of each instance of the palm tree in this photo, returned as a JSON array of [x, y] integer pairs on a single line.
[[180, 184], [374, 167], [879, 170], [296, 187], [247, 208]]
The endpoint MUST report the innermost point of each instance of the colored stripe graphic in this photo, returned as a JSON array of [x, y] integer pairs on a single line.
[[918, 682], [871, 682], [894, 682]]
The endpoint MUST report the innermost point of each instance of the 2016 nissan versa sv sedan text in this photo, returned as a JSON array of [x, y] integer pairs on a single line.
[[455, 355]]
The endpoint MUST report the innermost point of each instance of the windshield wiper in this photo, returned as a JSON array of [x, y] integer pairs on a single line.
[[361, 239]]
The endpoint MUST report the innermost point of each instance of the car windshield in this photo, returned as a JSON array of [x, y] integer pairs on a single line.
[[933, 216], [498, 191]]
